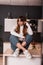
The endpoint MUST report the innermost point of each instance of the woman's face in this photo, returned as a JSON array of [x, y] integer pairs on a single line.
[[20, 22]]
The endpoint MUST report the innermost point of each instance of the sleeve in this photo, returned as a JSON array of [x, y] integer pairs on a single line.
[[29, 30], [14, 33]]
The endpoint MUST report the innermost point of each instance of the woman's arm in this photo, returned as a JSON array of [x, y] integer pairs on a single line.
[[15, 34], [29, 30]]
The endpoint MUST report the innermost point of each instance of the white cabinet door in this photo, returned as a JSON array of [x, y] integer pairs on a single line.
[[26, 2], [34, 2], [19, 2], [40, 22], [9, 24], [4, 1]]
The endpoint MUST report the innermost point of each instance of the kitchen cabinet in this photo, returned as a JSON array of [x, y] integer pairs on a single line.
[[5, 2], [26, 2], [21, 2], [9, 24], [34, 2]]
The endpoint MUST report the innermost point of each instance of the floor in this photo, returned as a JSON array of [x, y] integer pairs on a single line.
[[1, 60]]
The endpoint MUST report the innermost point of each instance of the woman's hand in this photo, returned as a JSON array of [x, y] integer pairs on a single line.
[[24, 44], [23, 37]]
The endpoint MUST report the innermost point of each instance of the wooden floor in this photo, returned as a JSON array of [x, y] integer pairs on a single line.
[[1, 60]]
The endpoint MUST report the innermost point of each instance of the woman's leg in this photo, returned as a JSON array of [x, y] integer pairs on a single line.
[[20, 47], [14, 40], [28, 40], [25, 44], [15, 43]]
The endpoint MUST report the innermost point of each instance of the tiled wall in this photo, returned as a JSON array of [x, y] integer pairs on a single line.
[[32, 11]]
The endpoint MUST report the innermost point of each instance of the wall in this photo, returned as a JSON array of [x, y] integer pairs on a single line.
[[42, 18], [34, 12], [42, 12]]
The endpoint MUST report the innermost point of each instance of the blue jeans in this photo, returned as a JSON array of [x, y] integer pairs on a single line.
[[14, 40]]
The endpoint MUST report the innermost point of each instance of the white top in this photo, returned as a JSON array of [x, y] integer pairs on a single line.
[[29, 30]]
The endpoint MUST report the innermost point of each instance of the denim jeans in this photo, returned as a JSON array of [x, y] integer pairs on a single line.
[[14, 40]]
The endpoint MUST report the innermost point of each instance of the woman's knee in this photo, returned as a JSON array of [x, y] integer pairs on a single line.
[[24, 44], [14, 40], [29, 38]]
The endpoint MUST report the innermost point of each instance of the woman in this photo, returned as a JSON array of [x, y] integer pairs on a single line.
[[22, 32]]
